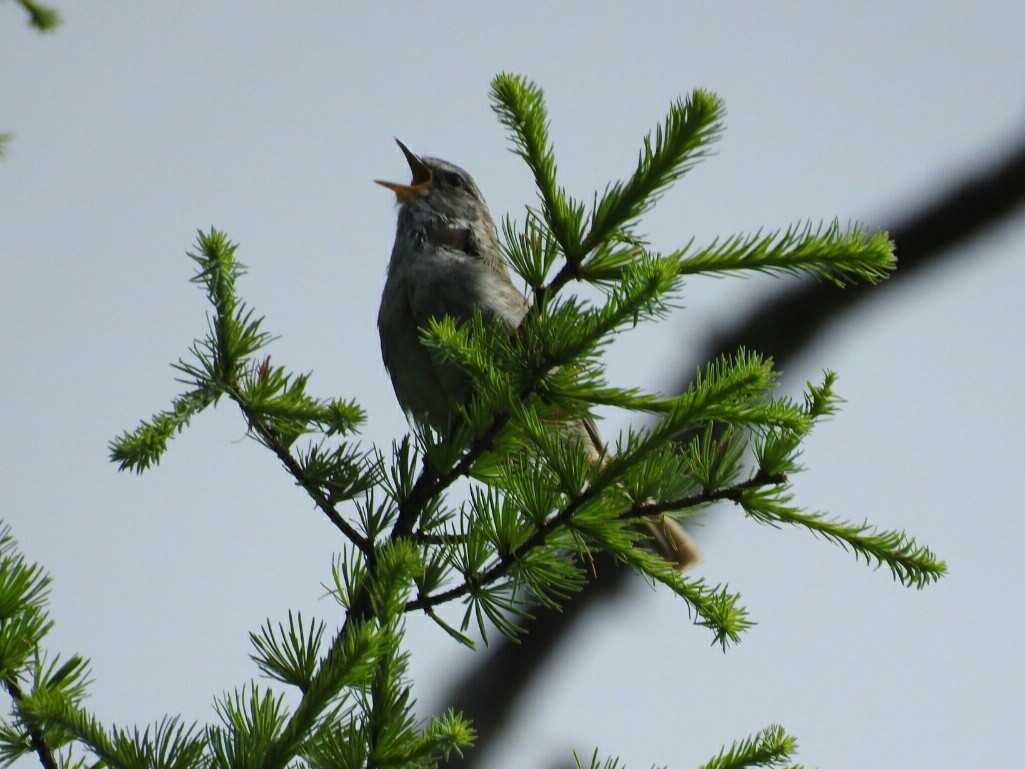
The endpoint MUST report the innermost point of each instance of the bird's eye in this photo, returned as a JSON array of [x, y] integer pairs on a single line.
[[454, 180]]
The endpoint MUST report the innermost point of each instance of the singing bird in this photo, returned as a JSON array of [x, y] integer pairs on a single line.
[[446, 261]]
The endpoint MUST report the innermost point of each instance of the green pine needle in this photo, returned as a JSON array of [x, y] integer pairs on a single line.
[[911, 564], [42, 18], [828, 253], [714, 607], [447, 734], [168, 744], [678, 143], [252, 721], [520, 106], [770, 747], [142, 448], [612, 762], [351, 661], [289, 655]]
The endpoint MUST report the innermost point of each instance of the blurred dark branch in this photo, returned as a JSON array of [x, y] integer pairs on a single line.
[[784, 326], [490, 688], [787, 323]]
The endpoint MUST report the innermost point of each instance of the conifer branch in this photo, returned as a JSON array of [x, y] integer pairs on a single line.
[[827, 253], [913, 565], [288, 655], [519, 105], [678, 143], [169, 743], [733, 493], [350, 660], [630, 303], [36, 738], [432, 482], [640, 296], [142, 448], [42, 18], [560, 520], [84, 727], [424, 538], [274, 403], [770, 747], [272, 441], [357, 651], [507, 560]]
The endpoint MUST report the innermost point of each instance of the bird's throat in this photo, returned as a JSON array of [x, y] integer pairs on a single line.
[[456, 236]]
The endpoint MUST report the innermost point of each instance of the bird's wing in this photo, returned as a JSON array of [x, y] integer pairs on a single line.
[[456, 284]]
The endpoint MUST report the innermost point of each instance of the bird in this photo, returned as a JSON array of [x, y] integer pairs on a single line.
[[446, 260]]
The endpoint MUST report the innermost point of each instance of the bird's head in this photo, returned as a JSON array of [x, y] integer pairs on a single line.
[[438, 188]]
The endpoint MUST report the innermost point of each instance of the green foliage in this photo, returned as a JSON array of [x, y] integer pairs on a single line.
[[341, 472], [234, 332], [142, 448], [829, 253], [520, 107], [770, 747], [251, 723], [350, 662], [67, 680], [281, 400], [447, 734], [715, 608], [41, 17], [679, 142], [543, 495], [166, 745], [596, 763], [14, 743], [274, 401], [24, 587], [911, 564], [531, 251], [291, 655], [27, 672], [24, 590]]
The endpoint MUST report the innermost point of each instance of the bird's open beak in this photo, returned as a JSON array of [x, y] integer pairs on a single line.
[[421, 176]]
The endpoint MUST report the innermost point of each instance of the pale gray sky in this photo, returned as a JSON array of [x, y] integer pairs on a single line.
[[137, 123]]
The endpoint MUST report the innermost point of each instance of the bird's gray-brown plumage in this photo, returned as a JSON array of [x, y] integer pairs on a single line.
[[446, 261]]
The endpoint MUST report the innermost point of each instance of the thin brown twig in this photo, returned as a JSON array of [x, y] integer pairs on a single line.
[[507, 560], [431, 482], [732, 493], [445, 538], [562, 518], [272, 441]]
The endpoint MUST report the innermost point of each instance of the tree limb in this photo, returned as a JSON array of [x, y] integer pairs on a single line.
[[273, 442], [35, 734], [784, 326]]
